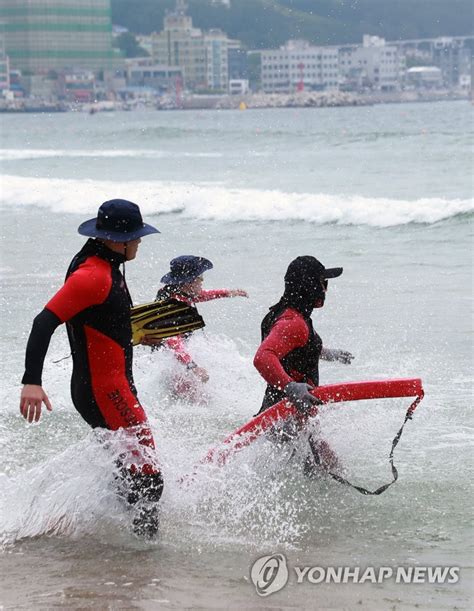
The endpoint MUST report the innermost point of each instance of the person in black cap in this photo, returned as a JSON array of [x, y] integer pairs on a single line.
[[94, 302], [184, 282], [288, 357]]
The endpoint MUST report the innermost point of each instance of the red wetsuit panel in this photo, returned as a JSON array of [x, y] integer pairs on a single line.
[[211, 294], [120, 408], [118, 404], [178, 345], [289, 332], [88, 285]]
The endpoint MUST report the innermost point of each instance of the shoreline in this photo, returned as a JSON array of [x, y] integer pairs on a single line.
[[254, 101]]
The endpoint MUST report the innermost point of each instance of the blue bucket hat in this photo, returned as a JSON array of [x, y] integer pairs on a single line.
[[186, 268], [117, 220]]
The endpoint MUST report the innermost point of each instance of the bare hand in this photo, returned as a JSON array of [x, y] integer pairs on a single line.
[[201, 373], [31, 400], [238, 293]]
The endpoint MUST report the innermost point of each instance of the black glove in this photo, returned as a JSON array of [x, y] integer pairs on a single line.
[[333, 354], [298, 393]]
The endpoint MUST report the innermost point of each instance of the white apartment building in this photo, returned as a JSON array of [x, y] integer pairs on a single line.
[[299, 66], [4, 68], [373, 64], [216, 47]]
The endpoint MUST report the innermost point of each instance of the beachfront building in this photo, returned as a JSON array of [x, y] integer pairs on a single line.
[[238, 60], [202, 56], [217, 60], [42, 35], [4, 69], [143, 72], [299, 66], [425, 77], [451, 54], [238, 86], [453, 58], [373, 65]]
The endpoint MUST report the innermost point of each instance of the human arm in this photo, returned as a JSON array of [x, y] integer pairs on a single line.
[[32, 395], [212, 294], [178, 345], [82, 288], [288, 333], [334, 354]]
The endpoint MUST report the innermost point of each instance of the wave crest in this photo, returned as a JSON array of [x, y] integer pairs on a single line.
[[220, 203]]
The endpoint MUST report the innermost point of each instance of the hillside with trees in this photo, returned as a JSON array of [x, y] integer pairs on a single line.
[[270, 23]]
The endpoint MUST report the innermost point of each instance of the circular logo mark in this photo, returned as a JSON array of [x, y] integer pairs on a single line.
[[269, 574]]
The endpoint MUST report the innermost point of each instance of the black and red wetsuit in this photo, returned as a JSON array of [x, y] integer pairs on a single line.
[[178, 343], [94, 302], [289, 352]]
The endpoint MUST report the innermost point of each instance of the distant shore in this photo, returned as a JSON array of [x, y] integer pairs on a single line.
[[304, 99], [313, 99]]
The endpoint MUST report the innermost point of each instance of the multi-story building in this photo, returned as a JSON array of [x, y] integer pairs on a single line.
[[217, 60], [142, 72], [451, 54], [4, 68], [238, 60], [42, 35], [298, 66], [202, 56], [375, 65], [453, 58]]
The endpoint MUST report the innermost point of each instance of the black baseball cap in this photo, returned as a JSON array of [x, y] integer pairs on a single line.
[[307, 268]]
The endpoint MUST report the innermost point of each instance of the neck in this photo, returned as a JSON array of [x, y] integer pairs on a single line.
[[102, 247], [118, 247]]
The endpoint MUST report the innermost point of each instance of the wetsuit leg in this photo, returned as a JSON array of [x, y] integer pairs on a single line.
[[321, 456], [142, 491], [107, 399]]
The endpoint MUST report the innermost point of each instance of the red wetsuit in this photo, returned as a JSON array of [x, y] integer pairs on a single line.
[[178, 343], [94, 302], [289, 352]]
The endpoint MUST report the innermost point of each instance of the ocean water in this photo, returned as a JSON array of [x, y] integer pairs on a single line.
[[384, 191]]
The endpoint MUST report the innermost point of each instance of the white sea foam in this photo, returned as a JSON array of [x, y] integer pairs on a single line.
[[21, 154], [216, 202]]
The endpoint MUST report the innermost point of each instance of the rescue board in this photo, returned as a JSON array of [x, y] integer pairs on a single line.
[[333, 393]]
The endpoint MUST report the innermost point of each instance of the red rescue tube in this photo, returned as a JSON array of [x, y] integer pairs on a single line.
[[333, 393]]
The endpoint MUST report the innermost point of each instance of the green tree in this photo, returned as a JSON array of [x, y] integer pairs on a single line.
[[128, 45]]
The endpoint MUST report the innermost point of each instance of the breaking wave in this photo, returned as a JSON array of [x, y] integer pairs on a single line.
[[216, 202], [23, 154]]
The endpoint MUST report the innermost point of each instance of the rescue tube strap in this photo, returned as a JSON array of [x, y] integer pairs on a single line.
[[381, 489]]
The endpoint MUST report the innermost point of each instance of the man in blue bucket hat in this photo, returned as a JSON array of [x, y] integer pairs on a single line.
[[94, 302]]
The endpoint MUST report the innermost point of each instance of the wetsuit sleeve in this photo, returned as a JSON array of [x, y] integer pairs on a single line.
[[288, 333], [88, 285], [177, 344], [212, 294], [43, 328]]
